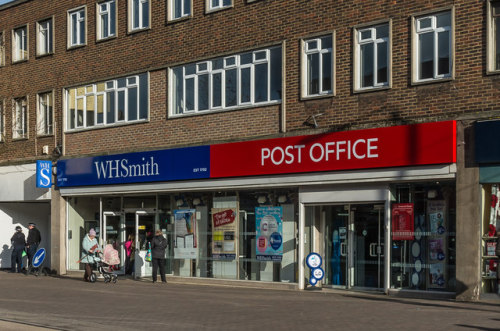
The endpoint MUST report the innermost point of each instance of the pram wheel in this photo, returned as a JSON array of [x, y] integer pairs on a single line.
[[92, 277], [114, 278]]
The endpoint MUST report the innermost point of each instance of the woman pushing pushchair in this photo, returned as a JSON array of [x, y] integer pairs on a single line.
[[90, 247], [105, 261]]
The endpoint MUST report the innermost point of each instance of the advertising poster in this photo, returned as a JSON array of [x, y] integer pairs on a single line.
[[185, 234], [436, 249], [436, 273], [224, 233], [403, 221], [437, 243], [269, 233]]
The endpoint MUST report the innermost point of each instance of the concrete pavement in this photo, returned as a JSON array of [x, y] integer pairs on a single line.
[[71, 304]]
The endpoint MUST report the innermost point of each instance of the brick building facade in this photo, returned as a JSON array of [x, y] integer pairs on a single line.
[[94, 43]]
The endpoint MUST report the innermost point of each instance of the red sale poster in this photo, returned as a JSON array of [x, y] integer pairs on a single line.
[[402, 221]]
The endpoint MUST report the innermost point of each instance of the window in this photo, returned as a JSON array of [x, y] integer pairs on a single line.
[[106, 19], [219, 4], [139, 13], [122, 100], [246, 79], [77, 27], [20, 44], [317, 66], [20, 119], [371, 57], [45, 117], [2, 49], [493, 31], [45, 37], [2, 122], [432, 52], [179, 9]]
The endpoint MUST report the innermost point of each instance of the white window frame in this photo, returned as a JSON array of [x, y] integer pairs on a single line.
[[219, 6], [491, 33], [184, 12], [358, 42], [81, 24], [20, 44], [2, 48], [45, 37], [2, 120], [20, 118], [90, 91], [45, 113], [132, 13], [112, 20], [416, 31], [304, 69]]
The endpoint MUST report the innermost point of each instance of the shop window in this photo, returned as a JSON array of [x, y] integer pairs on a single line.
[[45, 114], [45, 37], [178, 9], [20, 119], [122, 100], [318, 66], [433, 54], [213, 5], [493, 36], [423, 237], [372, 57], [77, 27], [490, 239], [20, 44], [139, 14], [242, 80], [106, 19]]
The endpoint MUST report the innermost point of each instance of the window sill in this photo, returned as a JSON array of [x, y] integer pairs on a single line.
[[19, 61], [43, 135], [315, 97], [138, 30], [216, 111], [372, 89], [102, 126], [105, 39], [180, 19], [215, 10], [432, 81], [19, 139], [38, 56], [76, 47], [493, 72]]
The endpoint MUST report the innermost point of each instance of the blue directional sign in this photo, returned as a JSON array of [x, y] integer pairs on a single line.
[[39, 257]]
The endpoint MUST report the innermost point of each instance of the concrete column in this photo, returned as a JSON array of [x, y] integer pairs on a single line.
[[58, 233], [468, 220]]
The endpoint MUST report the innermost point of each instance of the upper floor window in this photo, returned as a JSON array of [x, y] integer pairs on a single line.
[[45, 114], [20, 44], [432, 47], [122, 100], [77, 27], [2, 48], [139, 14], [246, 79], [45, 37], [317, 66], [179, 9], [2, 121], [371, 57], [493, 31], [219, 4], [20, 119], [106, 19]]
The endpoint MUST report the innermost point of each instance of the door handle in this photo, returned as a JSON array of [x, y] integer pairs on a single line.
[[343, 249], [373, 249]]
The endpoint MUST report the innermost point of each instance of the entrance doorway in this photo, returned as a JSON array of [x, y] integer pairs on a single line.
[[112, 233], [350, 238]]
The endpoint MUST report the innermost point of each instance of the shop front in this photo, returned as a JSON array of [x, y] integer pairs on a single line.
[[378, 205]]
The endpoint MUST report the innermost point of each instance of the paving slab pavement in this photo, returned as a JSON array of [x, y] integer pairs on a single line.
[[71, 304]]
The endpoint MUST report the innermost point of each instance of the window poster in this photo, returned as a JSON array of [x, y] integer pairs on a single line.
[[437, 243], [269, 233], [185, 234], [224, 233], [403, 221]]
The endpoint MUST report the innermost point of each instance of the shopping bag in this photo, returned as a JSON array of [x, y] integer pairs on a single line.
[[148, 254], [23, 254]]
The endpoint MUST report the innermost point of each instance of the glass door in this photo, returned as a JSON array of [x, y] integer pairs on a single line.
[[367, 245], [144, 233], [335, 245], [112, 233]]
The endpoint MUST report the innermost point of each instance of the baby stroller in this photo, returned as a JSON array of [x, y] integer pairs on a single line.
[[106, 265]]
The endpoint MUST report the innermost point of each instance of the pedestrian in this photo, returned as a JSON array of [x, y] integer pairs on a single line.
[[129, 251], [18, 242], [32, 242], [158, 246], [90, 247]]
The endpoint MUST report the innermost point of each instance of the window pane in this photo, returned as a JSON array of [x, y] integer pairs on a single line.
[[190, 94], [122, 82], [226, 2], [132, 104], [112, 17], [82, 32], [104, 26], [187, 7], [143, 96], [90, 108], [366, 34], [326, 42], [261, 82], [366, 67], [190, 69], [313, 73], [444, 20], [74, 33], [177, 8], [110, 107], [425, 23], [497, 42], [382, 31], [145, 14], [203, 92], [246, 58], [327, 72], [100, 108], [426, 47], [121, 106], [276, 74], [443, 53], [178, 90], [215, 3], [245, 85], [79, 112], [217, 90], [382, 63], [217, 64], [135, 14], [231, 87], [71, 107]]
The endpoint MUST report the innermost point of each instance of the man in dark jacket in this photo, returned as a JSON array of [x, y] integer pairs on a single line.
[[18, 242], [32, 243], [158, 246]]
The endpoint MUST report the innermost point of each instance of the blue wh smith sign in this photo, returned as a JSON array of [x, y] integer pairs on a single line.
[[44, 174], [164, 165]]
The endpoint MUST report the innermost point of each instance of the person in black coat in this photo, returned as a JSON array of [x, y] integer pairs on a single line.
[[158, 246], [18, 242], [32, 242]]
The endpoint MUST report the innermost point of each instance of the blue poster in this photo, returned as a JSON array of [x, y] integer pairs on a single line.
[[269, 233]]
